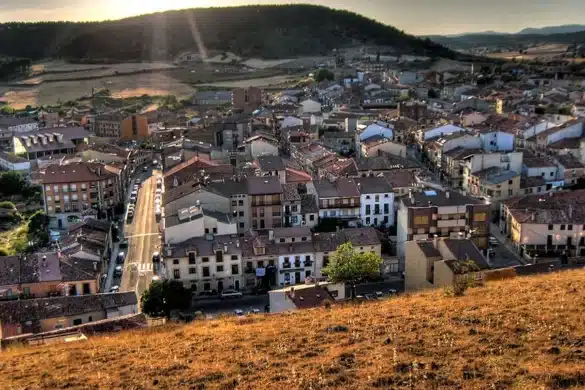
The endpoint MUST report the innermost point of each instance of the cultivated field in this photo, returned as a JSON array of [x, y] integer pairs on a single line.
[[523, 333], [546, 52]]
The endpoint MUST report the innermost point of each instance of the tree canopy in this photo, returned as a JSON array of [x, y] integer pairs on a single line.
[[324, 74], [348, 266], [163, 296]]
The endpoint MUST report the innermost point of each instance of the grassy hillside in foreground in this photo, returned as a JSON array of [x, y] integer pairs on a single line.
[[526, 333]]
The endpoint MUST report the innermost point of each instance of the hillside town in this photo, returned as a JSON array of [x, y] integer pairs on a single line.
[[244, 196]]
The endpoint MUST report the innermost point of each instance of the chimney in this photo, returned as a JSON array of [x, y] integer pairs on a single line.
[[237, 243], [271, 235], [95, 265], [447, 195], [225, 248]]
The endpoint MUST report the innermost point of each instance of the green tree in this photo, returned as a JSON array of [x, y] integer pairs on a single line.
[[324, 74], [6, 110], [349, 266], [164, 296], [12, 183]]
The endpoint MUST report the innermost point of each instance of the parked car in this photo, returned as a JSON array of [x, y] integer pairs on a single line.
[[156, 257], [227, 294], [118, 271], [158, 191], [145, 168], [120, 258], [238, 312], [114, 289], [136, 187], [154, 163], [133, 199], [137, 181], [130, 214], [493, 241], [123, 244]]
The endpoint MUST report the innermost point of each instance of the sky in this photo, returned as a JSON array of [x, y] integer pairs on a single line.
[[417, 17]]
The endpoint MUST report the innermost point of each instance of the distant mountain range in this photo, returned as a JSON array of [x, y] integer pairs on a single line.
[[566, 34], [567, 28]]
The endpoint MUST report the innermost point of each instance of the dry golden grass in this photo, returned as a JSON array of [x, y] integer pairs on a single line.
[[526, 333]]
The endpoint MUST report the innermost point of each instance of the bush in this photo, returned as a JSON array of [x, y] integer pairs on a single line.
[[7, 205]]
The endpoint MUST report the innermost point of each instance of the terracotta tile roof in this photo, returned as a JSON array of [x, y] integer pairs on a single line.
[[76, 172]]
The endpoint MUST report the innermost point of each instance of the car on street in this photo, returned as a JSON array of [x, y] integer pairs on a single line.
[[154, 163], [158, 191], [130, 215], [230, 294], [145, 168], [255, 311], [493, 241], [118, 270], [136, 187], [238, 313], [114, 289], [156, 257], [120, 258], [123, 244], [137, 181], [131, 206]]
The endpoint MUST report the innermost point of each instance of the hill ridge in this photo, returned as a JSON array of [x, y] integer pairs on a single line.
[[271, 31]]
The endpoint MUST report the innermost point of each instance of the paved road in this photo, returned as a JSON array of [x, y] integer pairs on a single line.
[[143, 238], [505, 254]]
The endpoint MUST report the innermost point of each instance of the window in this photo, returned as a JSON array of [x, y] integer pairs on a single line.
[[192, 258], [65, 188], [175, 261], [49, 208], [234, 203], [74, 197], [271, 263], [292, 239], [205, 259], [219, 268], [552, 174], [421, 220], [192, 270], [542, 174], [562, 227], [49, 198], [234, 257], [386, 208], [377, 198], [214, 230], [206, 286], [311, 217], [240, 213], [282, 240], [569, 227], [260, 264], [177, 274], [206, 230], [242, 225], [235, 269], [57, 198], [307, 273], [550, 227], [73, 187], [367, 196], [55, 189], [479, 217], [219, 256], [368, 209], [77, 321], [367, 220], [86, 289], [206, 273], [304, 239], [385, 195]]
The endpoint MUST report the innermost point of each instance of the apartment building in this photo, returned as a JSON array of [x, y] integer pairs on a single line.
[[247, 99], [339, 199], [46, 274], [46, 314], [292, 214], [195, 221], [546, 224], [376, 201], [265, 199], [426, 213], [295, 257], [441, 262], [479, 163], [121, 125], [47, 142], [495, 184], [71, 189], [205, 264]]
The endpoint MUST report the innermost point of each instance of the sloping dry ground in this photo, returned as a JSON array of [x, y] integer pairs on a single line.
[[526, 333]]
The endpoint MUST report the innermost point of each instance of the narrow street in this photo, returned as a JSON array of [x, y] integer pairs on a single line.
[[143, 238]]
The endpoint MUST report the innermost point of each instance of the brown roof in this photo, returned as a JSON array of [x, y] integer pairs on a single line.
[[264, 185], [568, 161], [538, 162], [76, 172], [567, 143], [306, 298]]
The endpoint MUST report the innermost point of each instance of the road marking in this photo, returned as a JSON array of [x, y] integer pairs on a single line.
[[143, 235]]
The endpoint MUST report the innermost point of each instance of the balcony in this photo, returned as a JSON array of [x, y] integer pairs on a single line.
[[286, 265], [443, 223], [308, 263], [249, 271]]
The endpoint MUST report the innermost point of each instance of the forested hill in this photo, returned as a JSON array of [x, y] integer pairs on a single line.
[[265, 31]]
